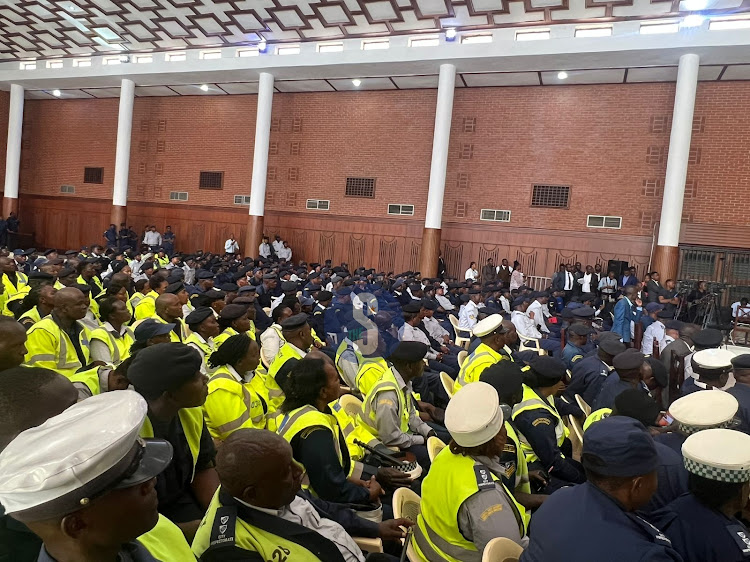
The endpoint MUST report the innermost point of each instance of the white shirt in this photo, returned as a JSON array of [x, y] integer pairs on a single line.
[[408, 332], [264, 250], [434, 328], [277, 245], [468, 316], [607, 285], [505, 303], [568, 281], [585, 282], [516, 280], [524, 325], [152, 238], [444, 302], [270, 343], [231, 246], [538, 309], [737, 306], [657, 331], [471, 274], [284, 254]]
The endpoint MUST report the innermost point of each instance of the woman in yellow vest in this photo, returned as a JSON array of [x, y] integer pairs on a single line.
[[203, 329], [235, 393], [464, 501], [543, 435], [111, 342], [234, 320], [317, 441]]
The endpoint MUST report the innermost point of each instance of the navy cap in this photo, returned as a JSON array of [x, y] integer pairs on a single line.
[[584, 312], [619, 446], [638, 405], [611, 345], [674, 325], [708, 338], [214, 295], [741, 361], [505, 376], [198, 315], [654, 307], [147, 265], [174, 288], [547, 370], [412, 306], [580, 330], [294, 322], [229, 287], [409, 352], [518, 301], [205, 275], [429, 304], [665, 314], [233, 311], [246, 289], [40, 275], [288, 286], [150, 328], [628, 360], [325, 296]]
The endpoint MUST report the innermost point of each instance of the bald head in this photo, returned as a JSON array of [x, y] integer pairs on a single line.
[[12, 343], [67, 296], [165, 301], [70, 304]]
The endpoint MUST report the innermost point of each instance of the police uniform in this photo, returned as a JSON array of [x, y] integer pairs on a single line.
[[205, 347], [589, 373], [613, 385], [572, 353], [45, 473], [234, 402], [50, 347], [584, 523], [701, 533], [464, 503], [741, 391], [709, 365], [483, 356]]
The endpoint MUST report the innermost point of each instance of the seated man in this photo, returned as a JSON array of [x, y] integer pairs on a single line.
[[711, 368], [628, 374], [702, 524], [493, 332], [259, 513], [297, 340], [596, 521], [412, 330], [590, 373], [464, 501], [526, 328]]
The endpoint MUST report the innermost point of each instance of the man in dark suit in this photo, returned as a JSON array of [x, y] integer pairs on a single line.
[[597, 277], [504, 271], [654, 288], [558, 279], [441, 267], [628, 278], [488, 272]]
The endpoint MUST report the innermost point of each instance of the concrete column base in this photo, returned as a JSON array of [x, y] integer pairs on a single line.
[[118, 215], [428, 257], [254, 236], [666, 260], [10, 204]]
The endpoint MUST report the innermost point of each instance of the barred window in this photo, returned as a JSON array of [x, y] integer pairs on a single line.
[[555, 196], [360, 187]]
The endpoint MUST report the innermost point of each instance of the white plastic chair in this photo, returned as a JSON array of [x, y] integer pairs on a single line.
[[462, 340], [502, 549], [462, 355], [448, 382]]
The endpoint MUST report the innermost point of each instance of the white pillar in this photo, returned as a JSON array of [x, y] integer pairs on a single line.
[[440, 142], [679, 151], [13, 153], [122, 153], [262, 138]]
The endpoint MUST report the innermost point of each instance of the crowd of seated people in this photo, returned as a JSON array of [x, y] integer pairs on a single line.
[[172, 407]]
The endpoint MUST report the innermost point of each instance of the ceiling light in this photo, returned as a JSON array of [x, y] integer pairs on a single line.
[[562, 75], [693, 20], [694, 5], [262, 46], [357, 82], [450, 34], [56, 93], [73, 8], [204, 87]]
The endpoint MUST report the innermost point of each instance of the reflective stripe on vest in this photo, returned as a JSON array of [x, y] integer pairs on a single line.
[[387, 382], [370, 370], [451, 481], [119, 348], [64, 359], [192, 425], [254, 404], [532, 401]]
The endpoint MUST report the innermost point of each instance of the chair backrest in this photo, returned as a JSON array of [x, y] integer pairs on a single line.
[[638, 335], [676, 377], [583, 405], [351, 405], [655, 349], [577, 430], [530, 344], [453, 320], [502, 549], [406, 504], [563, 338], [462, 355], [447, 381], [434, 446]]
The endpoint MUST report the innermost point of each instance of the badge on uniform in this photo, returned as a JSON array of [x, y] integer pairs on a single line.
[[741, 537], [224, 523], [484, 477]]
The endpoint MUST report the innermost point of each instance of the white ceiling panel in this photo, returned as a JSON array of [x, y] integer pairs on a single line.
[[303, 86], [144, 91], [104, 92], [607, 76], [501, 79], [366, 84], [195, 90], [737, 72], [240, 87], [408, 82]]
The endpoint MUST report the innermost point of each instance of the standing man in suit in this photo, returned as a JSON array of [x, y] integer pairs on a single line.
[[569, 282], [628, 309], [488, 272], [558, 279], [628, 278], [598, 275], [654, 288], [441, 267], [503, 271]]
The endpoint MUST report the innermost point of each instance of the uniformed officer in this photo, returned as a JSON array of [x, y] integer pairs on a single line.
[[597, 520], [465, 503], [88, 492], [697, 412], [237, 397], [111, 342], [169, 311], [577, 337], [741, 389], [711, 367], [203, 328], [150, 332], [702, 524], [709, 338], [589, 374], [146, 306], [493, 332], [543, 435], [234, 320], [627, 374], [298, 340], [323, 301]]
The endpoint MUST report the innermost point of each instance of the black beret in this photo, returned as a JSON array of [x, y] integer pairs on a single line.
[[409, 351], [65, 272], [85, 289], [430, 304], [474, 292], [174, 288], [659, 371], [580, 330], [628, 360], [147, 265], [71, 253], [325, 296], [412, 306], [294, 322], [505, 376], [48, 252], [233, 311], [343, 291], [229, 287], [547, 370], [708, 338], [518, 301], [203, 274], [246, 302], [638, 405], [465, 298], [741, 361], [566, 312], [40, 275], [246, 289], [198, 315], [584, 312], [665, 314], [163, 367], [288, 286], [214, 295], [611, 345], [674, 325], [269, 276]]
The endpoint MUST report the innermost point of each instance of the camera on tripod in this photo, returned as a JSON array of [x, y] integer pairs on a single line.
[[715, 288], [685, 285]]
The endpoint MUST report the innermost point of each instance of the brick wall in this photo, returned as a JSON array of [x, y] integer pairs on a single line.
[[608, 142]]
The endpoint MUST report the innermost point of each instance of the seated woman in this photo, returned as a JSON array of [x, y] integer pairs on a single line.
[[111, 342], [233, 320], [464, 501], [236, 396]]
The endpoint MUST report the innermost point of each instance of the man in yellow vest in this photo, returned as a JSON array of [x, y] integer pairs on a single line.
[[169, 311], [168, 376], [60, 341], [38, 303], [12, 343], [203, 327], [464, 501], [98, 501], [389, 409], [146, 307], [13, 280], [492, 331], [543, 434], [297, 342], [259, 512], [234, 320]]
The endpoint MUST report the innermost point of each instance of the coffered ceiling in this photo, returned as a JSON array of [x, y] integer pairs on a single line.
[[60, 28]]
